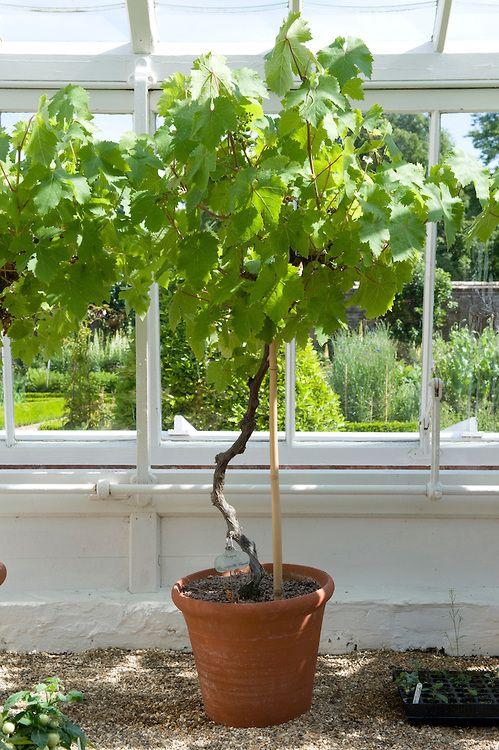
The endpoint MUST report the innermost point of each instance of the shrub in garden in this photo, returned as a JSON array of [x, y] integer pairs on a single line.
[[393, 426], [44, 380], [34, 720], [107, 352], [406, 315], [468, 363], [373, 385], [125, 403], [317, 405], [85, 407]]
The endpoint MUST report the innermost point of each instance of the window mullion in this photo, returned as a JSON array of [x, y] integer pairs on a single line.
[[8, 393], [428, 295], [141, 125]]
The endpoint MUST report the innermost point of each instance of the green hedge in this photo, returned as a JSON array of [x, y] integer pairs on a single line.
[[47, 396], [380, 427]]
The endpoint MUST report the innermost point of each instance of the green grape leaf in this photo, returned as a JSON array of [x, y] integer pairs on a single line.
[[267, 200], [346, 58], [374, 222], [250, 84], [218, 373], [70, 102], [378, 287], [49, 194], [41, 141], [4, 145], [486, 222], [197, 256], [316, 100], [407, 232], [210, 77], [79, 187], [443, 205], [468, 170], [213, 120], [173, 89], [289, 57]]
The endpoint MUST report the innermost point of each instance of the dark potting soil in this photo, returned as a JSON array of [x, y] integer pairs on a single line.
[[225, 588]]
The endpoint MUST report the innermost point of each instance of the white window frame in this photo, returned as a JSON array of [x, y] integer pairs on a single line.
[[125, 80]]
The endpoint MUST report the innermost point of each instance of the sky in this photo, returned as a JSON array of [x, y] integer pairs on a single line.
[[458, 124]]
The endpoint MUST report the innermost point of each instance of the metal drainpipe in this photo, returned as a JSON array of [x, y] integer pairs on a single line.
[[428, 298]]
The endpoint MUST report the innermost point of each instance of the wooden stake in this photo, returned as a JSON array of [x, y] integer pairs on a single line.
[[274, 474]]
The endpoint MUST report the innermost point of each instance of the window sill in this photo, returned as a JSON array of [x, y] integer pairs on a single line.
[[308, 450]]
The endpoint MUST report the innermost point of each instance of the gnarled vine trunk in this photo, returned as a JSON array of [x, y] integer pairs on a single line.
[[222, 460]]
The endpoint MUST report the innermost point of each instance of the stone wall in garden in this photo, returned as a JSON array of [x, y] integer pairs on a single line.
[[477, 303]]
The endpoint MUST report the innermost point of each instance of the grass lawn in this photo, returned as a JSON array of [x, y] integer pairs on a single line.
[[36, 410]]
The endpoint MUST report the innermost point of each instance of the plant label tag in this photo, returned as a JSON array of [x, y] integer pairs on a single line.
[[231, 559], [417, 693]]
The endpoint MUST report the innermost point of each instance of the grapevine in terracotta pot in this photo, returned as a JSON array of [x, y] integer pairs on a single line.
[[263, 224], [267, 222]]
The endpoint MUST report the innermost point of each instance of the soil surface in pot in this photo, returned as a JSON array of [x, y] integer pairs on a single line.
[[225, 588]]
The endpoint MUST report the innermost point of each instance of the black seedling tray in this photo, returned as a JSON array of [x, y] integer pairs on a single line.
[[449, 696]]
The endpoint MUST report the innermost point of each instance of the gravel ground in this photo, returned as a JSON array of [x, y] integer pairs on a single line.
[[150, 699]]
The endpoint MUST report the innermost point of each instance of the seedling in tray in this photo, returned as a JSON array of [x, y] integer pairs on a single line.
[[436, 695]]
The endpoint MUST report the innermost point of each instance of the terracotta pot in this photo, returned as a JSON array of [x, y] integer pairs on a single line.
[[256, 662], [3, 573]]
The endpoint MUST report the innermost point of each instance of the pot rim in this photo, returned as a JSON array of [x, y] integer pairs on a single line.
[[303, 603]]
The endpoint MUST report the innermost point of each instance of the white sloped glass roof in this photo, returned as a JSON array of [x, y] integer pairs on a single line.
[[63, 21], [248, 27], [231, 26], [473, 26], [391, 26]]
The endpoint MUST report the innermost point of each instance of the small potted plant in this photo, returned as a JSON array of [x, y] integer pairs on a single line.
[[34, 721], [266, 223], [448, 695]]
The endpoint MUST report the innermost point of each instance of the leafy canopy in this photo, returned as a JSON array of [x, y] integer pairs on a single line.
[[268, 221], [64, 229], [263, 222]]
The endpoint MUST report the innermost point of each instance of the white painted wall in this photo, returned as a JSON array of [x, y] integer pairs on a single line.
[[86, 573]]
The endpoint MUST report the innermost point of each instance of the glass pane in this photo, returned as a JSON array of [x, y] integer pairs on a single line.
[[411, 133], [466, 340], [367, 378], [395, 26], [186, 393], [108, 127], [63, 21], [88, 385], [112, 127], [219, 25], [90, 382], [9, 119], [473, 26], [362, 380]]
